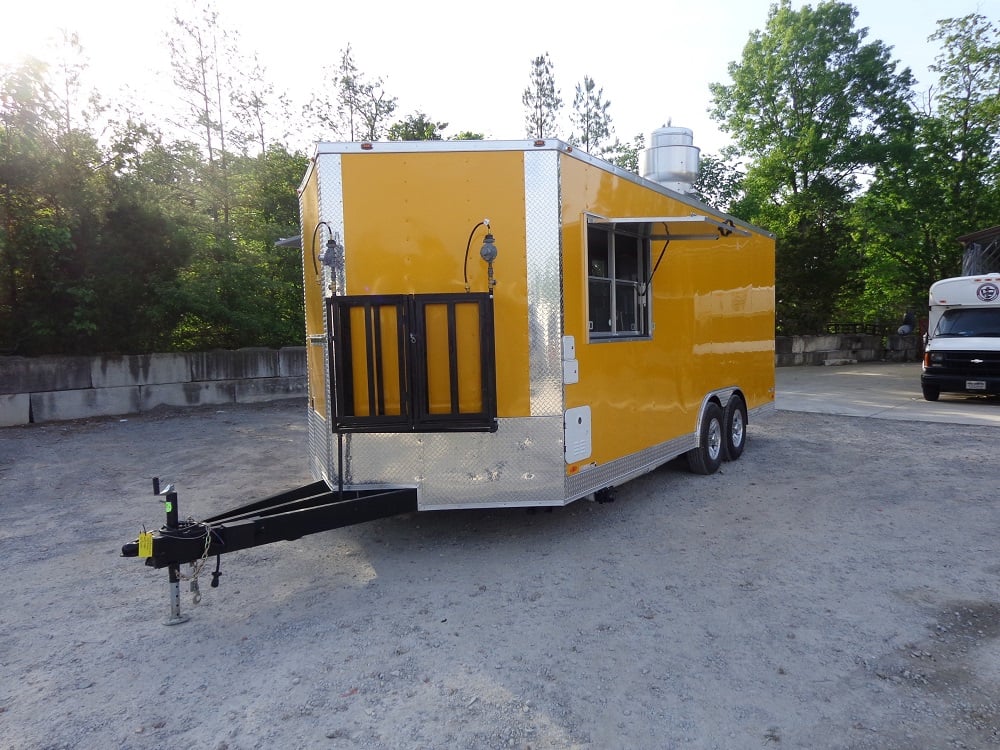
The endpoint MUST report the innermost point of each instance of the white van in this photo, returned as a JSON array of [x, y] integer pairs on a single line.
[[962, 350]]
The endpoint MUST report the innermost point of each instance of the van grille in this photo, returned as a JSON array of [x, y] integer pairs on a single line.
[[967, 363]]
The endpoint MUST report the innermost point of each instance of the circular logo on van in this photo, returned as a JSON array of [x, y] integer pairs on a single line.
[[988, 292]]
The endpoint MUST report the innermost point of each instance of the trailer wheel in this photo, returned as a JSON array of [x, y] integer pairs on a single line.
[[707, 457], [734, 424], [931, 392]]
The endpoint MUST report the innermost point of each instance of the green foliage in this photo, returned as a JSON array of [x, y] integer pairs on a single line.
[[938, 182], [590, 117], [720, 183], [360, 108], [240, 289], [626, 155], [541, 99], [810, 107], [140, 244], [810, 98], [813, 260], [52, 199], [416, 127], [116, 238]]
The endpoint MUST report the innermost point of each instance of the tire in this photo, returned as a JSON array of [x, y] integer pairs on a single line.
[[707, 457], [931, 392], [734, 426]]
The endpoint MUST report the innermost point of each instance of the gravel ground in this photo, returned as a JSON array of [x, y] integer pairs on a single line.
[[838, 587]]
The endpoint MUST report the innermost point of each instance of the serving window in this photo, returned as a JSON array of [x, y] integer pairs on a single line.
[[619, 273], [617, 263]]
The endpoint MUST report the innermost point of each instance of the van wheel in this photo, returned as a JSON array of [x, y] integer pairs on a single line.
[[707, 457], [931, 392], [734, 424]]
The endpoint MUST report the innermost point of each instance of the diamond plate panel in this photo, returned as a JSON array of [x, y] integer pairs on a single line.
[[319, 447], [544, 264], [628, 467], [330, 198], [520, 464], [330, 187]]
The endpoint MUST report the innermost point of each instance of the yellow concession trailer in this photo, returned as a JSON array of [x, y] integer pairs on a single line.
[[518, 323], [502, 324]]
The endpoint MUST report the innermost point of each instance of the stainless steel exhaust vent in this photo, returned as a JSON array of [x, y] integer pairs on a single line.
[[671, 160]]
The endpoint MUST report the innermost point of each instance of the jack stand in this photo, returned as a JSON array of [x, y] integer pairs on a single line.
[[174, 570], [174, 594]]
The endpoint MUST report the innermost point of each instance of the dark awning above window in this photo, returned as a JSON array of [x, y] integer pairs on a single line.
[[693, 227]]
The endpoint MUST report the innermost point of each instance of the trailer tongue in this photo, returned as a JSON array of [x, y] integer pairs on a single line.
[[288, 515]]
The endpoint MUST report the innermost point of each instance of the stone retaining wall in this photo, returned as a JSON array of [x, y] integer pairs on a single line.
[[51, 389], [846, 348]]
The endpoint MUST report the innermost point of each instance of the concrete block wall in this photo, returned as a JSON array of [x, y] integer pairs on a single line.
[[845, 348], [50, 389]]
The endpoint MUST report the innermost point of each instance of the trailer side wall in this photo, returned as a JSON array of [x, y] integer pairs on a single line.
[[712, 323]]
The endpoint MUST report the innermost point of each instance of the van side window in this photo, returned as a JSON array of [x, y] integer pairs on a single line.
[[616, 269]]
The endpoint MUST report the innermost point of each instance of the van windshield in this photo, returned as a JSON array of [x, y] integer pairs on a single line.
[[980, 321]]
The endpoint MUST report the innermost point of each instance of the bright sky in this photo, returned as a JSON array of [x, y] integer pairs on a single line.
[[468, 63]]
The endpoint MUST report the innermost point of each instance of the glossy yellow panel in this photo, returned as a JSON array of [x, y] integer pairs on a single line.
[[313, 299], [470, 397], [309, 205], [438, 380], [359, 373], [407, 223], [374, 361], [391, 392], [316, 371], [712, 312], [465, 348]]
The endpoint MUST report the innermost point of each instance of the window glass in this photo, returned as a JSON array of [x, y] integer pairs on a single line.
[[597, 252], [617, 259], [600, 306], [626, 257], [627, 308], [970, 322]]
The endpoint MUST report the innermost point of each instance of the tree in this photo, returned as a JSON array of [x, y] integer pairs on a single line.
[[256, 106], [32, 236], [359, 110], [541, 99], [66, 77], [467, 135], [810, 106], [52, 201], [112, 244], [416, 127], [938, 182], [82, 243], [627, 155], [349, 86], [969, 101], [241, 290], [720, 182], [590, 116], [810, 98], [197, 65]]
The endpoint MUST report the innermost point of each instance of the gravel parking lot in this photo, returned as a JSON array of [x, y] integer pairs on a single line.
[[837, 587]]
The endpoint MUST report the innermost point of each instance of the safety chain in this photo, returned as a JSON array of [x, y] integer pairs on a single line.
[[198, 565]]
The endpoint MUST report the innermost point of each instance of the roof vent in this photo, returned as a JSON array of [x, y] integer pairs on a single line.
[[671, 160]]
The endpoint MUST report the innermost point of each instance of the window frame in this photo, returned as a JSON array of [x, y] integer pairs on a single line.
[[635, 288], [693, 227]]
